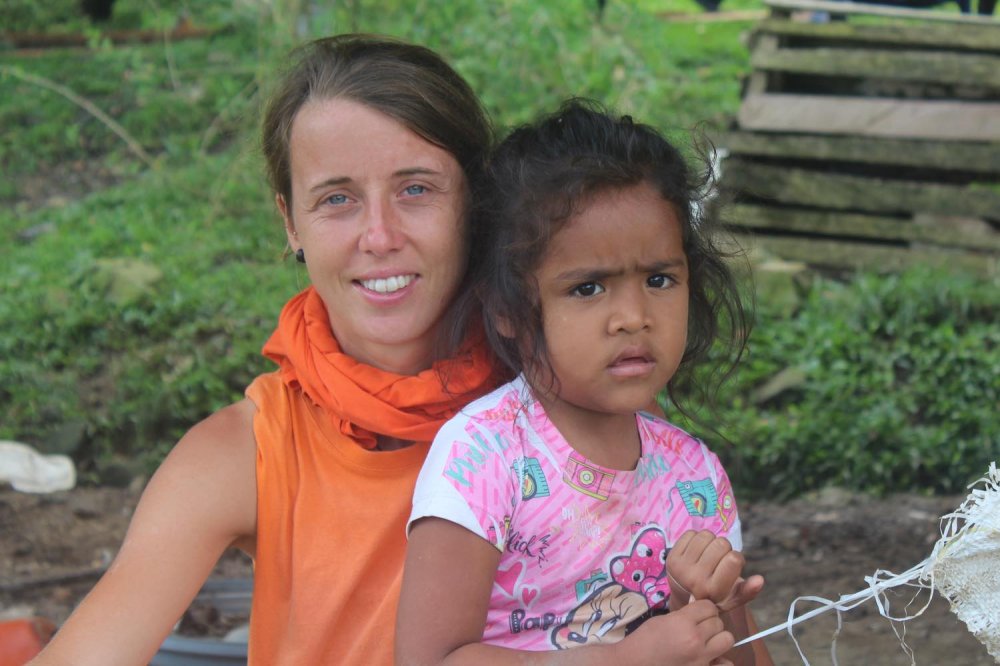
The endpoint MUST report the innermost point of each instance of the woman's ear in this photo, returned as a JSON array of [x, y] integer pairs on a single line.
[[293, 236]]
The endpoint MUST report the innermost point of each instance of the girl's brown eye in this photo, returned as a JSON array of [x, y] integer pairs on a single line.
[[587, 289], [659, 281]]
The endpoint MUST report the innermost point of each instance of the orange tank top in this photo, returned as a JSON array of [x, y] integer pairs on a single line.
[[331, 520]]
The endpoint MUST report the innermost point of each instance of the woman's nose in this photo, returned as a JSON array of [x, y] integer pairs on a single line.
[[382, 232]]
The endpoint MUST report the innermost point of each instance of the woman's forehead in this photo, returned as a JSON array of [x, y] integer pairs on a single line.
[[339, 138]]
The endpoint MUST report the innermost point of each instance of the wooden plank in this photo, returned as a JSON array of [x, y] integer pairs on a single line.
[[950, 37], [861, 8], [824, 114], [980, 158], [972, 70], [817, 189], [713, 17], [758, 81], [864, 256], [939, 233]]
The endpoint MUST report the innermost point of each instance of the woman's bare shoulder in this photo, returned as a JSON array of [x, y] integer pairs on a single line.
[[219, 452]]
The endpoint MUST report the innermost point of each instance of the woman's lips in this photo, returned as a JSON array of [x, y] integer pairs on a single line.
[[389, 284]]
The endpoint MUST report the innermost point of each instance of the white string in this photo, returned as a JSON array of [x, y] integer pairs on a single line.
[[878, 583]]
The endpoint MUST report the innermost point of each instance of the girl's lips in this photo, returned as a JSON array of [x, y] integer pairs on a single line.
[[632, 364]]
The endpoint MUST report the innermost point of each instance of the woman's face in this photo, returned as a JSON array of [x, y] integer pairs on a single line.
[[379, 213]]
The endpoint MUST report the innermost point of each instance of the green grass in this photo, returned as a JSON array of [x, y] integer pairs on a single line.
[[133, 310]]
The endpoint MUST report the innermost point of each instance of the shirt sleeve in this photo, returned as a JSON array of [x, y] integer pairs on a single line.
[[468, 478], [702, 499]]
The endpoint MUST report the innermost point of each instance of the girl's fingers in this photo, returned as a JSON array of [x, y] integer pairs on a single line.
[[702, 611], [717, 549], [720, 643], [681, 546], [724, 574]]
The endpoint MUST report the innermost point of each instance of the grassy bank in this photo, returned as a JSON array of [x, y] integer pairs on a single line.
[[142, 262]]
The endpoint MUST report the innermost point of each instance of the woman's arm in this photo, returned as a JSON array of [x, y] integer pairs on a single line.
[[446, 593], [201, 500]]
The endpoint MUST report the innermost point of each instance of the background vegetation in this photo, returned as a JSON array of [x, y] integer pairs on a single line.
[[139, 281]]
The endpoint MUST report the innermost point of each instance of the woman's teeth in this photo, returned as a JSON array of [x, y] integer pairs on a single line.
[[388, 285]]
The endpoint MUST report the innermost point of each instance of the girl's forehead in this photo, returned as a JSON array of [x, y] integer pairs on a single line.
[[621, 226], [610, 208]]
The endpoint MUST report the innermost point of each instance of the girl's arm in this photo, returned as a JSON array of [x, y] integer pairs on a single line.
[[201, 500], [740, 623], [446, 592]]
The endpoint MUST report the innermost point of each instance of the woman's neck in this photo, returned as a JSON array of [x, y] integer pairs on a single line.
[[403, 359]]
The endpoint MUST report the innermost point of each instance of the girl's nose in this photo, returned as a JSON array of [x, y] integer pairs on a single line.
[[629, 312], [382, 233]]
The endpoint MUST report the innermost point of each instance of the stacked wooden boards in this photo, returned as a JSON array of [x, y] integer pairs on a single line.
[[871, 141]]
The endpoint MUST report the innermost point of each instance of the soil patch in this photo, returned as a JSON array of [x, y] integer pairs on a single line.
[[54, 547]]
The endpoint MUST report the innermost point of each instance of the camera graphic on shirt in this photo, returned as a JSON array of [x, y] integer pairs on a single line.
[[533, 482], [588, 479], [700, 497]]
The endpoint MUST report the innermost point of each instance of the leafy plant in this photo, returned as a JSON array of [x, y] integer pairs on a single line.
[[136, 296], [899, 387]]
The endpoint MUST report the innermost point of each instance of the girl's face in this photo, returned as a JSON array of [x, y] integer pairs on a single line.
[[379, 213], [614, 297]]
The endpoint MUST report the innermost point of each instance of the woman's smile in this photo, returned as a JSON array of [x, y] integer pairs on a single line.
[[388, 285]]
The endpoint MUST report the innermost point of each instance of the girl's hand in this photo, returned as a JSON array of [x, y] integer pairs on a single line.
[[692, 636], [704, 566]]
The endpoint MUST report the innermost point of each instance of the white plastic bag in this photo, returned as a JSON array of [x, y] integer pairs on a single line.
[[29, 471]]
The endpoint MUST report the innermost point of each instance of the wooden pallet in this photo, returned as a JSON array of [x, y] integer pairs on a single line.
[[872, 142]]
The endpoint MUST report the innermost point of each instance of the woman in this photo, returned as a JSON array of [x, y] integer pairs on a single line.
[[371, 147]]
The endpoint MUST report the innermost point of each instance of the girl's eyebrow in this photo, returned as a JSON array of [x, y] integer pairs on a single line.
[[597, 274]]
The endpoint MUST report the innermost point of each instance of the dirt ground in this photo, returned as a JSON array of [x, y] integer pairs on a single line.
[[54, 546]]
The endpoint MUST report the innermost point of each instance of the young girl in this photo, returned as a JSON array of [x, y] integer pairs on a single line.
[[554, 512]]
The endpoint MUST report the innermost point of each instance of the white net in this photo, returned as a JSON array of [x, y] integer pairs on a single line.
[[965, 563]]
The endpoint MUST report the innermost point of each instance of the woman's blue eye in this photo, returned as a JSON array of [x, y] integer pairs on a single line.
[[587, 289], [414, 190], [659, 281]]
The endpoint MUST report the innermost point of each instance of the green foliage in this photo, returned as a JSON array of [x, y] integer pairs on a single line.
[[131, 313], [142, 310], [900, 390]]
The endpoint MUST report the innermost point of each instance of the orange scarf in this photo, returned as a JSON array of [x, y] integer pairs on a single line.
[[364, 400]]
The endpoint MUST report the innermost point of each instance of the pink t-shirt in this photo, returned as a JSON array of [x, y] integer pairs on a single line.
[[583, 547]]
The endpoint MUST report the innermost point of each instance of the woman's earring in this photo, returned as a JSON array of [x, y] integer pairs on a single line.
[[300, 256]]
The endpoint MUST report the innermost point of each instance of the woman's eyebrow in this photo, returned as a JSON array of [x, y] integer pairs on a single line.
[[329, 182], [343, 180], [413, 171]]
